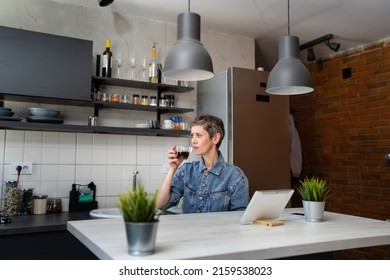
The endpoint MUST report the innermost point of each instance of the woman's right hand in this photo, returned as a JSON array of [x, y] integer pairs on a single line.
[[173, 161]]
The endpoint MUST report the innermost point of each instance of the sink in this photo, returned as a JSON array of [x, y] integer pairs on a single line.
[[112, 213], [106, 213]]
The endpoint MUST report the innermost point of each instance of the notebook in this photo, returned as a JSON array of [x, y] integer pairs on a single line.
[[266, 204]]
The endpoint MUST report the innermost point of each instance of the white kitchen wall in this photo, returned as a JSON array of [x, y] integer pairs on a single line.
[[60, 159]]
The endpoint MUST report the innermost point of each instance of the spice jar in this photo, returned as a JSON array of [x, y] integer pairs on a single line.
[[144, 100], [39, 204], [54, 205], [115, 98], [135, 99], [11, 198], [125, 98], [25, 202], [153, 101]]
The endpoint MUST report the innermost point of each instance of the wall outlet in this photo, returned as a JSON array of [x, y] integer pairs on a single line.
[[26, 168]]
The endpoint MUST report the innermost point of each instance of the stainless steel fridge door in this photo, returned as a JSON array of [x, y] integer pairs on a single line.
[[213, 97]]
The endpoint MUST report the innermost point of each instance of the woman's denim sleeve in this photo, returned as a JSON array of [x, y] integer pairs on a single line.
[[240, 194]]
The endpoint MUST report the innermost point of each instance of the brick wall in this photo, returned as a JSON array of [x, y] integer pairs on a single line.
[[344, 126]]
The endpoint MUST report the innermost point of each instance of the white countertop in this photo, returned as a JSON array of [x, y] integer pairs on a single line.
[[221, 236]]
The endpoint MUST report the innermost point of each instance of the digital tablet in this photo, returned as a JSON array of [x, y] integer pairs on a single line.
[[266, 204]]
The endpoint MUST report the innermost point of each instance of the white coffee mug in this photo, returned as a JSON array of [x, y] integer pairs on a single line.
[[168, 124]]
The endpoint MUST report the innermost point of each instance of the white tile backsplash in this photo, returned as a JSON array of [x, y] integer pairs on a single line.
[[61, 159]]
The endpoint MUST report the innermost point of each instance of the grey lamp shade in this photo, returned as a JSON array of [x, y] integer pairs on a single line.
[[289, 76], [104, 3], [188, 60]]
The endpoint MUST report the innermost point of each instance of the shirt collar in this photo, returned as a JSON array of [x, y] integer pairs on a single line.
[[217, 167]]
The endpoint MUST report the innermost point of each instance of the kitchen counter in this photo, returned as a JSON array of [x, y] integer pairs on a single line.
[[221, 236], [41, 223]]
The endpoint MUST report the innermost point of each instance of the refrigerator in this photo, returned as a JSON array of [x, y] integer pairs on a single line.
[[257, 137]]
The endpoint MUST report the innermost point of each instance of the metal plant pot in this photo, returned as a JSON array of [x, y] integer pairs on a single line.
[[313, 210], [141, 238]]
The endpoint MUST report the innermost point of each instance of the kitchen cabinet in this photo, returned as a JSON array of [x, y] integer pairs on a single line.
[[98, 105]]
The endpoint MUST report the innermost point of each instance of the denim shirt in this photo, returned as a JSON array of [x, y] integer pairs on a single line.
[[222, 188]]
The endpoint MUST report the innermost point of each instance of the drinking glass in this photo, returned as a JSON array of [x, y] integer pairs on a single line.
[[133, 63], [182, 151], [144, 65], [118, 63]]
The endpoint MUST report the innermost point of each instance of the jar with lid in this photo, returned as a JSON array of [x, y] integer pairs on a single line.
[[144, 100], [54, 205], [153, 101], [135, 99], [25, 202], [11, 198], [39, 204], [115, 98]]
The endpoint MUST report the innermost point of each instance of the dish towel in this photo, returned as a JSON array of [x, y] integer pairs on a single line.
[[296, 150]]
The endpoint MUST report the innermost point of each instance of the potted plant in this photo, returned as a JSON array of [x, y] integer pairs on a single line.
[[141, 221], [314, 193]]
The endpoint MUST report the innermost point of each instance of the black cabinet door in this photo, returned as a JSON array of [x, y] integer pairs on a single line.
[[36, 64]]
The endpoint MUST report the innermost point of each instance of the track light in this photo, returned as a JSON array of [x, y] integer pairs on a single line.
[[311, 56], [324, 39], [103, 3], [333, 46]]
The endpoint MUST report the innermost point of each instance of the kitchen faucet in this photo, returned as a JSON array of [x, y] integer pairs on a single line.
[[135, 173]]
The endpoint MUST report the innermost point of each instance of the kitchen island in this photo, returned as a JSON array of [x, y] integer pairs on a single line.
[[221, 236]]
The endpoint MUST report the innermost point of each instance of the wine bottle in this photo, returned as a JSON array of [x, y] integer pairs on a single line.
[[107, 61], [153, 67]]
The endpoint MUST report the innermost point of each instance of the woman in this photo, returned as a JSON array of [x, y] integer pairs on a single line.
[[208, 185]]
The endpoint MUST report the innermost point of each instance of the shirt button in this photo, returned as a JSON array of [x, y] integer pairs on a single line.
[[200, 197]]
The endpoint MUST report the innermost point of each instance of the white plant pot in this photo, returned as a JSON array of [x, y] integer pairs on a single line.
[[313, 210]]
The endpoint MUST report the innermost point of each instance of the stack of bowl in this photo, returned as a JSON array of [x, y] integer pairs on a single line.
[[6, 112], [43, 115], [6, 115]]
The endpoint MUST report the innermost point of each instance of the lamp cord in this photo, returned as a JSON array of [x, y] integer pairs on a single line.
[[288, 16], [189, 5]]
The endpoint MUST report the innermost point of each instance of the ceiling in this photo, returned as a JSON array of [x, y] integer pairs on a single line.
[[353, 23]]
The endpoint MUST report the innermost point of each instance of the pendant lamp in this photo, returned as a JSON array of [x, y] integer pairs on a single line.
[[289, 76], [188, 60], [104, 3]]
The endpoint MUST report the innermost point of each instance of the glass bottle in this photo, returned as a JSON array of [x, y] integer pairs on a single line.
[[153, 67], [11, 198], [107, 61]]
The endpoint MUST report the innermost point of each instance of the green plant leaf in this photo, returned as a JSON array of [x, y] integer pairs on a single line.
[[314, 189], [137, 206]]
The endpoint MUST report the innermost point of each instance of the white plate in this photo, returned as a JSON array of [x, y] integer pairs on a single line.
[[167, 128], [142, 125]]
